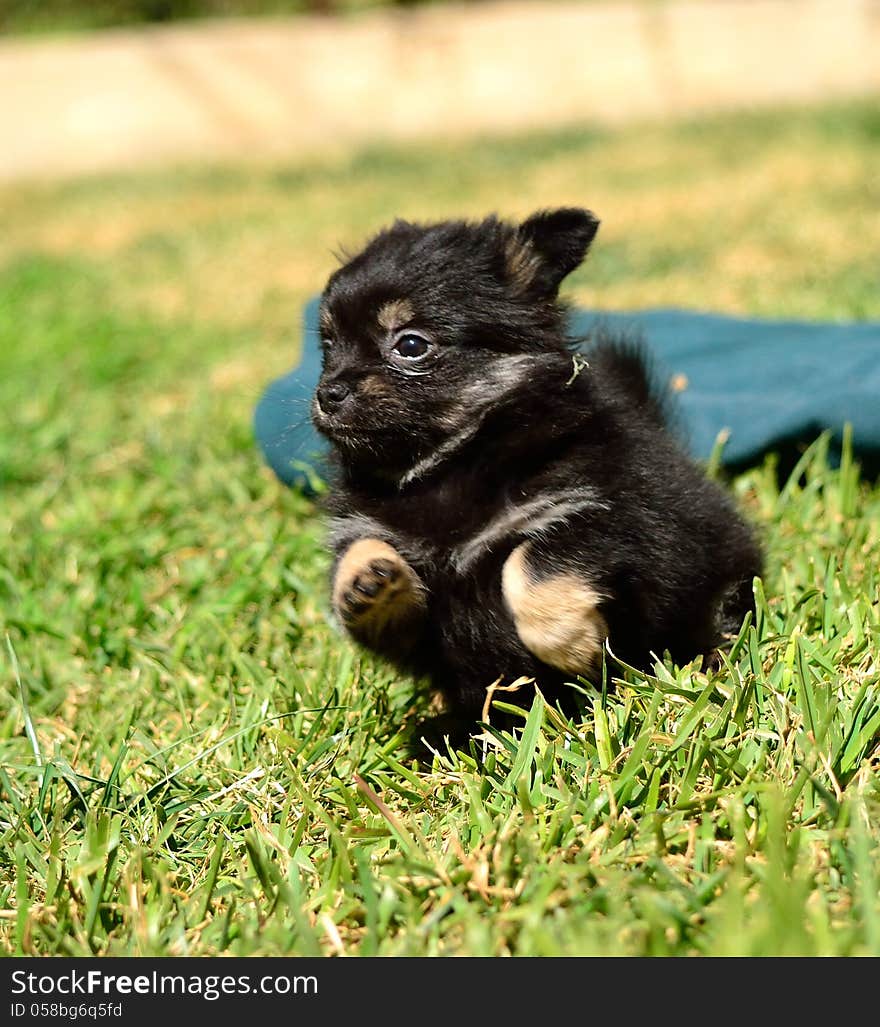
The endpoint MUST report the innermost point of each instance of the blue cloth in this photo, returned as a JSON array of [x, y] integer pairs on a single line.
[[770, 385]]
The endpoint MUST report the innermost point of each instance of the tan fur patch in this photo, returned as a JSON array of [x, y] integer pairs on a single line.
[[522, 263], [373, 386], [395, 314], [556, 619], [375, 590], [328, 325]]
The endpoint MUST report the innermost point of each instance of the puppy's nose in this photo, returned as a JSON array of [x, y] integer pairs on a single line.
[[331, 395]]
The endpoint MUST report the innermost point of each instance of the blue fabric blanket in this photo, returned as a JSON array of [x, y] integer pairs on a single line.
[[768, 385]]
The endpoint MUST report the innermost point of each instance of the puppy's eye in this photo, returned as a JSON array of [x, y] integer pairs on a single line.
[[411, 346]]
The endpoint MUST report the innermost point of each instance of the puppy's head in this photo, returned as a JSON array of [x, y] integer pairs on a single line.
[[431, 326]]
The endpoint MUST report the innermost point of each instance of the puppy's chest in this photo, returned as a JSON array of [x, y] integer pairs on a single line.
[[447, 526], [459, 530]]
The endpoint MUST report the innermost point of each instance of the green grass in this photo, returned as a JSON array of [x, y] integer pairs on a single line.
[[194, 762], [64, 16]]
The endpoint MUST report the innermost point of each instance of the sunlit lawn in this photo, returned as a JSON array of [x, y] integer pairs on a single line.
[[183, 732]]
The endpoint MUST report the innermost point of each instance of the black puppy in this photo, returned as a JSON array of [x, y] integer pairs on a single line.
[[504, 503]]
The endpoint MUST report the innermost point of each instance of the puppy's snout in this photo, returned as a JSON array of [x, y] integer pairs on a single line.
[[332, 395]]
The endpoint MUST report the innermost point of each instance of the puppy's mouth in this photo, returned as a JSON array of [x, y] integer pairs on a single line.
[[326, 423], [333, 426], [319, 415]]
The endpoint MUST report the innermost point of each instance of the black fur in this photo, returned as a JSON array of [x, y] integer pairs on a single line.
[[499, 412]]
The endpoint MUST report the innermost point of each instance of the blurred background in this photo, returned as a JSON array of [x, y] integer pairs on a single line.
[[203, 158], [199, 79]]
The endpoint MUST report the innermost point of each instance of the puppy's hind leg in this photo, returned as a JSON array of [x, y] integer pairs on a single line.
[[556, 615], [378, 597]]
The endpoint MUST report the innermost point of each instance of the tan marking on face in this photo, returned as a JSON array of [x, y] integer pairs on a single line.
[[557, 619], [522, 263], [395, 314], [398, 597], [373, 387]]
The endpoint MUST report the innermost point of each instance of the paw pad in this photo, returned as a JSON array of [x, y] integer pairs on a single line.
[[375, 588]]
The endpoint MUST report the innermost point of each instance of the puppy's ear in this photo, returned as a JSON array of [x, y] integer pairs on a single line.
[[548, 246]]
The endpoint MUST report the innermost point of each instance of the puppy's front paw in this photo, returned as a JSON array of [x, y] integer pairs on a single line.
[[375, 590], [371, 587]]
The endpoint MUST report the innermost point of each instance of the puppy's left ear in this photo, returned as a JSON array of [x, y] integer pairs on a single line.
[[550, 245]]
